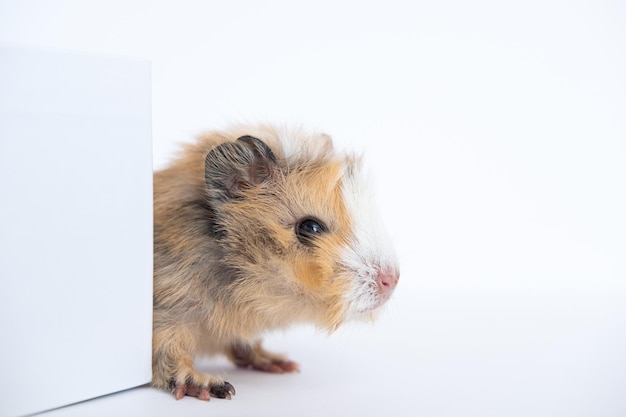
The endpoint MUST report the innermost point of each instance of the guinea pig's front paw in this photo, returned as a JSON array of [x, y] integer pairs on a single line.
[[253, 356], [202, 390]]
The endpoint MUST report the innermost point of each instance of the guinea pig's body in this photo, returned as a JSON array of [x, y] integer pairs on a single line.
[[256, 229]]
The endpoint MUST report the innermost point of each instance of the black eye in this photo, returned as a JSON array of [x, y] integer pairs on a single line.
[[307, 229]]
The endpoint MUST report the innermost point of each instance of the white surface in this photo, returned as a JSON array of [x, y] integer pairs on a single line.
[[76, 223], [498, 137]]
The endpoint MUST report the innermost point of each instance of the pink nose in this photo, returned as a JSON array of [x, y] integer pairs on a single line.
[[387, 281]]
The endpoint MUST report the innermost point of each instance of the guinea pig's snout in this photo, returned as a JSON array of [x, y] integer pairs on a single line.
[[387, 280]]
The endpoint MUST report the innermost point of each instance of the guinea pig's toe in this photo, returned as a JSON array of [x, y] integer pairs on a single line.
[[192, 390], [204, 394], [277, 366], [179, 392], [289, 366]]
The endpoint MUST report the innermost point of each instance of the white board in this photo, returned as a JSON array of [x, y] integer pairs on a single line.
[[75, 227]]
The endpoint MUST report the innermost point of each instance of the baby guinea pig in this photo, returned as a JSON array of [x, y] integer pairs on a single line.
[[256, 229]]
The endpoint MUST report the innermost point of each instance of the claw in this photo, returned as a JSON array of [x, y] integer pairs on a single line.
[[223, 391]]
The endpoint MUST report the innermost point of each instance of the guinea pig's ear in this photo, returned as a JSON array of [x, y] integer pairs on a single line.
[[235, 166]]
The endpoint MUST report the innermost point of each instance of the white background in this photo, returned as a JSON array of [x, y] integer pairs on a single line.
[[497, 133], [75, 227]]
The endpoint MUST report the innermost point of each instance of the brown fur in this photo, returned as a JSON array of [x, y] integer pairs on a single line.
[[228, 267]]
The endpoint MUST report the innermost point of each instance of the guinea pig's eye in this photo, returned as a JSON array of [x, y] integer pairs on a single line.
[[308, 228]]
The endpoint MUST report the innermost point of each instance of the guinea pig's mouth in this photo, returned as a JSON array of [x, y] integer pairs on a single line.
[[380, 301], [373, 301]]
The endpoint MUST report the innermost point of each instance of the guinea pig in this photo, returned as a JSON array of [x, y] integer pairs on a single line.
[[256, 229]]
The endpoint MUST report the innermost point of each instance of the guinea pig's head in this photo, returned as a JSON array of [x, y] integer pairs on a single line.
[[298, 228]]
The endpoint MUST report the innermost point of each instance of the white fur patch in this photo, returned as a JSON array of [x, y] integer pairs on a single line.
[[298, 144], [369, 249]]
